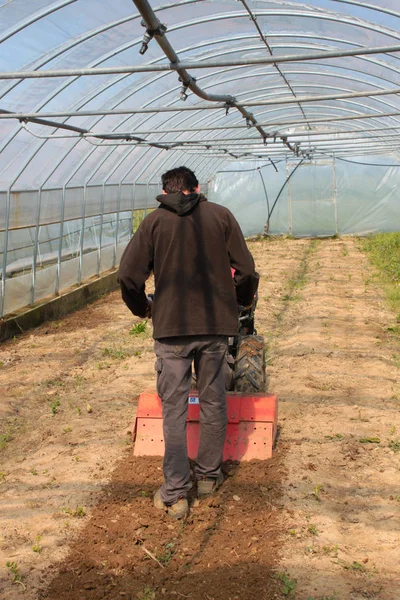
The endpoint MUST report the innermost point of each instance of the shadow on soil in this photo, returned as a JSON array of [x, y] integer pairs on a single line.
[[227, 548]]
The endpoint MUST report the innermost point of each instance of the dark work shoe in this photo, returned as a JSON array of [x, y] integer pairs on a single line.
[[179, 510], [209, 485]]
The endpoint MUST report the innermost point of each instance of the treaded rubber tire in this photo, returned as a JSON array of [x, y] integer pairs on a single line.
[[249, 374]]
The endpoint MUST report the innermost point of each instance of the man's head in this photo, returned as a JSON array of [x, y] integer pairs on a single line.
[[180, 179]]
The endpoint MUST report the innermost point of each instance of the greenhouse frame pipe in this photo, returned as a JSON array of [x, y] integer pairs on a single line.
[[186, 64], [35, 18], [50, 56], [197, 107], [129, 111], [109, 136], [313, 133], [60, 244], [371, 7], [308, 14], [255, 142], [198, 46], [336, 19], [263, 38], [140, 86], [188, 82], [36, 247], [103, 193], [5, 249]]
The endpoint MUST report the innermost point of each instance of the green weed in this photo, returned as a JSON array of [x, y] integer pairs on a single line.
[[289, 585], [331, 550], [67, 430], [2, 477], [394, 445], [313, 529], [14, 572], [354, 566], [37, 547], [33, 471], [370, 440], [54, 383], [54, 406], [147, 594], [79, 511], [166, 556], [138, 328], [114, 353], [337, 436], [5, 438], [317, 492]]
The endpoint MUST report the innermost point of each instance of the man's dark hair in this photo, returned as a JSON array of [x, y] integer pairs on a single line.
[[179, 179]]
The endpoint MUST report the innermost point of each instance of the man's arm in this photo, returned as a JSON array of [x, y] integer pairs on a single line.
[[246, 279], [135, 267]]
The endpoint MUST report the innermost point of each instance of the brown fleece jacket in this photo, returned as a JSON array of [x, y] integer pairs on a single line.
[[191, 245]]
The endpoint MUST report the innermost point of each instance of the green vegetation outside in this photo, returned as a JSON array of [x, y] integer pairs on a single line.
[[383, 250], [138, 216]]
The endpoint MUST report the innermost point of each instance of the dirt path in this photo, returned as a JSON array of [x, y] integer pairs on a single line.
[[75, 506], [334, 366]]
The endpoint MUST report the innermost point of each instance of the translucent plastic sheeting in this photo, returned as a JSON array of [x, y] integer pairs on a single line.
[[21, 243], [41, 35], [30, 207], [321, 198]]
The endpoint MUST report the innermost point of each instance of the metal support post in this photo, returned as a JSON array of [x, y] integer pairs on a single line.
[[103, 192], [36, 246], [335, 194], [5, 250], [81, 241], [60, 244], [117, 225]]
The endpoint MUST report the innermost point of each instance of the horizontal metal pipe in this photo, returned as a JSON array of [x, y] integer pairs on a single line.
[[217, 106], [207, 64], [274, 124]]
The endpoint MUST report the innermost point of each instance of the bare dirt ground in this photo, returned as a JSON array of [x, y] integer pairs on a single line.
[[320, 521]]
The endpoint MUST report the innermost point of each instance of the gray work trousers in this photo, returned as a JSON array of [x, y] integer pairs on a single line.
[[174, 377]]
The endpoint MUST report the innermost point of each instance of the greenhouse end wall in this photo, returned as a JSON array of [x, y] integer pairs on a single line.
[[319, 198]]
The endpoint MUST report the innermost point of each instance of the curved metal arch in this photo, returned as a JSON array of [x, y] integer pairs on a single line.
[[125, 157], [48, 57], [370, 6], [121, 160], [326, 15], [125, 46], [309, 14], [33, 19], [205, 76], [224, 17]]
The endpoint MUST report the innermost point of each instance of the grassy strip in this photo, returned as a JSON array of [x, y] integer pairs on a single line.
[[383, 250]]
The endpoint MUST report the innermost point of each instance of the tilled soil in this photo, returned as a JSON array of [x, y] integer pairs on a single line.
[[320, 521]]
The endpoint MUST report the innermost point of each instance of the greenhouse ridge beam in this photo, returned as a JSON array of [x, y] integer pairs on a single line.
[[207, 64]]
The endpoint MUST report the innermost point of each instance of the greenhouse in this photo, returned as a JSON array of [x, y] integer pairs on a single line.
[[288, 114]]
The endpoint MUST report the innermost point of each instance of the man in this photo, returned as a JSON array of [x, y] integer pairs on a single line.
[[191, 245]]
